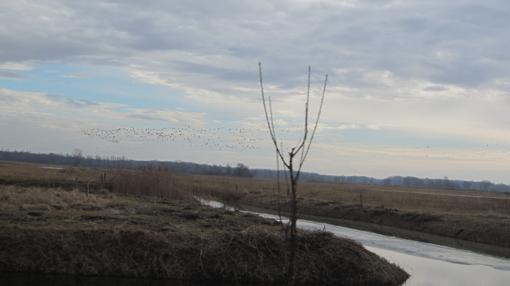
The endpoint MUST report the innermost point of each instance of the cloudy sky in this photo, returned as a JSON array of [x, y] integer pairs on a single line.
[[416, 88]]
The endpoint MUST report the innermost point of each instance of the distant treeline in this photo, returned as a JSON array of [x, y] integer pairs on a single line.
[[414, 182], [241, 170], [77, 159]]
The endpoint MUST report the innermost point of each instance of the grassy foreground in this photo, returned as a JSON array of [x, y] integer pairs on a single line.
[[56, 231]]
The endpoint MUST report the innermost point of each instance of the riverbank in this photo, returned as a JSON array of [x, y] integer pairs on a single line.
[[496, 251], [479, 234], [54, 231], [474, 221]]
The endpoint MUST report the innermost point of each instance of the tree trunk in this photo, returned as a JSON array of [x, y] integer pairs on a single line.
[[293, 221]]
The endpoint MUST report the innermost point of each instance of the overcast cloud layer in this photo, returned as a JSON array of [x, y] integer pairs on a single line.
[[416, 87]]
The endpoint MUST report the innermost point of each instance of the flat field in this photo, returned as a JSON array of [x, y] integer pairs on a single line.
[[146, 226], [471, 219]]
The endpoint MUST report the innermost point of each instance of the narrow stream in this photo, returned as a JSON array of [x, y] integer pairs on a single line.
[[428, 264]]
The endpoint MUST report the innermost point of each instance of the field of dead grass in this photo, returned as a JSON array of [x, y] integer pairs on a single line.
[[481, 217], [401, 198], [232, 189], [58, 231]]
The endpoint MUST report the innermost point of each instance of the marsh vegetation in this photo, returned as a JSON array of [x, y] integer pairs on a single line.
[[147, 233]]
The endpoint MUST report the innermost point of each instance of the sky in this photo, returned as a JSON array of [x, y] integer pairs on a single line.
[[416, 88]]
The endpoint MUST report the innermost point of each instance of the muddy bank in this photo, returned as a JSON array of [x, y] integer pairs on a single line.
[[67, 232]]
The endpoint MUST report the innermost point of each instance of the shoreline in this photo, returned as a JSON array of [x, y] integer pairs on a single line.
[[488, 249]]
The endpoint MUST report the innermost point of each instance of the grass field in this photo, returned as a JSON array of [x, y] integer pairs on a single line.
[[406, 199], [478, 217], [402, 198], [59, 231]]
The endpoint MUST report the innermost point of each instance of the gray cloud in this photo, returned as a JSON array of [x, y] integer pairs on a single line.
[[461, 43], [10, 74]]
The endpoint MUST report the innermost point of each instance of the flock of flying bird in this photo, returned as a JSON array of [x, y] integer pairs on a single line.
[[212, 138], [220, 138]]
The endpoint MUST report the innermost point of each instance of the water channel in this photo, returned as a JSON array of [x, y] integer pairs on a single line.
[[427, 263]]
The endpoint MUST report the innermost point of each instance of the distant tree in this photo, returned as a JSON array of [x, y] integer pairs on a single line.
[[77, 156], [242, 171], [485, 185]]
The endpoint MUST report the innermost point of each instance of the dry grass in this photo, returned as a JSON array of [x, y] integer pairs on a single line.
[[162, 184], [233, 189], [42, 199], [401, 198], [253, 257], [480, 217], [473, 216], [39, 172], [123, 235]]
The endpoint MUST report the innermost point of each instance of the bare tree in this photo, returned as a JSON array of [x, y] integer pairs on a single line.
[[77, 156], [292, 163]]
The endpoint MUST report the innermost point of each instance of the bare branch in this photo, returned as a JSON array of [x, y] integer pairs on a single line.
[[315, 127], [269, 125], [306, 116], [271, 116], [307, 103]]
